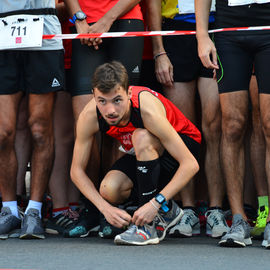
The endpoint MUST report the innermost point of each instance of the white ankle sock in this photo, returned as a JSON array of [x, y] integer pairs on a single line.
[[12, 205], [35, 205]]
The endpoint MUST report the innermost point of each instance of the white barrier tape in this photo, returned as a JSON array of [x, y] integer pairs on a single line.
[[149, 33]]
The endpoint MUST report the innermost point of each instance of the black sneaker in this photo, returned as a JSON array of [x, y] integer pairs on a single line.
[[107, 230], [87, 223], [61, 222], [9, 224], [32, 225]]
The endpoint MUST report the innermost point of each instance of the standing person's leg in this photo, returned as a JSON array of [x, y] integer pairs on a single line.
[[262, 59], [62, 217], [41, 87], [257, 156], [41, 126], [22, 145], [182, 52], [233, 76], [182, 94], [211, 129], [234, 107], [265, 116], [9, 218]]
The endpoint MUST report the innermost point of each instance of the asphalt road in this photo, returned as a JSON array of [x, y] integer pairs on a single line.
[[197, 253]]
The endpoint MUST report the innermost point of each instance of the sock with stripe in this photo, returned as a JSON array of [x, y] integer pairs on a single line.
[[59, 211]]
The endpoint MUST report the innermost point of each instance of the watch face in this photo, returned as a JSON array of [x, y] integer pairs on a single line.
[[80, 15], [160, 199]]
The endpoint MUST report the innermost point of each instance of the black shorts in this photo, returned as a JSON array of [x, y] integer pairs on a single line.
[[34, 72], [182, 52], [168, 165], [236, 56], [86, 59]]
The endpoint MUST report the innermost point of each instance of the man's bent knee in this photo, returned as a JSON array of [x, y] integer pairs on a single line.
[[110, 192], [144, 142]]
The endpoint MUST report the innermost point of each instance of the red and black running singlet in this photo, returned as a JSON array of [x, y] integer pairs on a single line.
[[123, 134]]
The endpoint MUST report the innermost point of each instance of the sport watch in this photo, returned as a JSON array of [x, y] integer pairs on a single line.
[[162, 201], [78, 16]]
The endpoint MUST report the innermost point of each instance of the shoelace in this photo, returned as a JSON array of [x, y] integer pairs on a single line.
[[235, 227], [261, 219], [33, 214], [131, 228], [160, 220], [2, 214], [186, 217], [215, 215], [71, 214]]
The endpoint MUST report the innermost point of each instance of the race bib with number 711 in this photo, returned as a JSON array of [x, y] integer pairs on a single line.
[[21, 31]]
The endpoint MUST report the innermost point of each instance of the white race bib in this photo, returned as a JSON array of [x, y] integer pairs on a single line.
[[21, 31], [187, 6], [246, 2]]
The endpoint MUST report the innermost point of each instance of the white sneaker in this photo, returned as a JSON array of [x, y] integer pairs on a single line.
[[216, 225], [189, 225]]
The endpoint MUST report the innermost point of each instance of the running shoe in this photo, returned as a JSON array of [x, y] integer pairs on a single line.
[[9, 224], [266, 238], [258, 229], [107, 230], [189, 225], [87, 223], [61, 222], [138, 235], [238, 235], [216, 225], [31, 227], [165, 221]]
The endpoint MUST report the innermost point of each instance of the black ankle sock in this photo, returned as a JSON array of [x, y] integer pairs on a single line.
[[215, 207], [147, 179]]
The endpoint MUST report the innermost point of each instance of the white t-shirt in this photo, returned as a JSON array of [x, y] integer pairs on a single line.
[[52, 25]]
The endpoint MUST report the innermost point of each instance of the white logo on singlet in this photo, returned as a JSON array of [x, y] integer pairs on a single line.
[[55, 83], [149, 193], [143, 169], [136, 70]]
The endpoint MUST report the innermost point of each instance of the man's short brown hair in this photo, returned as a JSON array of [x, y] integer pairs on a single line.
[[108, 75]]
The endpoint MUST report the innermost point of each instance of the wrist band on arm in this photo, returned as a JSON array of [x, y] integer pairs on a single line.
[[154, 205], [158, 54]]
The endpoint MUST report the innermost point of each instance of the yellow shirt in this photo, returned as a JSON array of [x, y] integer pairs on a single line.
[[169, 8]]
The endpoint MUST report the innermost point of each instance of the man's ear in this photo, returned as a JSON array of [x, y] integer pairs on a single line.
[[129, 93]]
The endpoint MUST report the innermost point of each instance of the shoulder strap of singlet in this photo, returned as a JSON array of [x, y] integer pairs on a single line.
[[103, 125]]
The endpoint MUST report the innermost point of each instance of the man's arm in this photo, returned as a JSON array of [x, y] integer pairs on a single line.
[[163, 66], [87, 127], [152, 111], [206, 48], [103, 24]]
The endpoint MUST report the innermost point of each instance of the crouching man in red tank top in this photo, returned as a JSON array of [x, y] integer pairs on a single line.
[[161, 145]]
